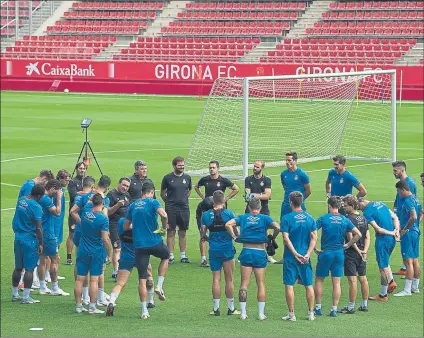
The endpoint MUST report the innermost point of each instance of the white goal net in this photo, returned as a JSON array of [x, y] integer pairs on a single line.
[[318, 116]]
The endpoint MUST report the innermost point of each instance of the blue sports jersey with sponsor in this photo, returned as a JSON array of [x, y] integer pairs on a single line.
[[27, 211], [142, 214], [410, 203], [334, 228], [253, 228], [399, 200], [299, 226], [26, 188], [47, 221], [294, 181], [342, 184], [379, 213], [92, 225]]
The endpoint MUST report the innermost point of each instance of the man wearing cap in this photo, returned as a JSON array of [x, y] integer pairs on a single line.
[[138, 179]]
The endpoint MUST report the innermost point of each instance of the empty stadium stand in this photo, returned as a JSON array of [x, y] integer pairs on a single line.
[[234, 31]]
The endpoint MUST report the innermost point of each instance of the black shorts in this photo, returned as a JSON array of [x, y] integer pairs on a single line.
[[199, 214], [71, 224], [354, 266], [142, 257], [114, 236], [180, 218]]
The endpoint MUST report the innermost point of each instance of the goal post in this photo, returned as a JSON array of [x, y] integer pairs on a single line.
[[316, 115]]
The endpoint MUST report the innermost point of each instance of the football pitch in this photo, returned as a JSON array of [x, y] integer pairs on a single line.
[[42, 130]]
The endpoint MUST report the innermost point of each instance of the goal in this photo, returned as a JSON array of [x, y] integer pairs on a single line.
[[318, 116]]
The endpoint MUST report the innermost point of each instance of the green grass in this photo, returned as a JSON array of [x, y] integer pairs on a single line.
[[128, 128]]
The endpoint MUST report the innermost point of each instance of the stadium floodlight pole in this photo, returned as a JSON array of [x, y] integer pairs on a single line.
[[394, 116], [245, 127]]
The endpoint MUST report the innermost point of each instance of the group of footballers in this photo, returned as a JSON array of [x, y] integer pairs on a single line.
[[121, 227]]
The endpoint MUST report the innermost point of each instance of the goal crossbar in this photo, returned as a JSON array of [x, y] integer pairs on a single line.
[[358, 107]]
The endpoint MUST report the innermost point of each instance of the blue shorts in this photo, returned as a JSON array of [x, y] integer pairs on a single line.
[[330, 261], [285, 208], [126, 261], [292, 270], [58, 231], [383, 250], [26, 254], [410, 244], [217, 258], [90, 263], [50, 247], [77, 236], [254, 258]]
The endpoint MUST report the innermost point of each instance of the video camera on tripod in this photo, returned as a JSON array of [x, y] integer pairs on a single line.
[[86, 147]]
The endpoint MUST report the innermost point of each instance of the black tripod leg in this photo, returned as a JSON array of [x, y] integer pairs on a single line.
[[94, 156], [79, 158]]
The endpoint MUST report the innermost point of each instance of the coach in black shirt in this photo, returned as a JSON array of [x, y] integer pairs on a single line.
[[212, 183], [138, 179], [258, 185], [74, 186], [175, 191], [119, 202]]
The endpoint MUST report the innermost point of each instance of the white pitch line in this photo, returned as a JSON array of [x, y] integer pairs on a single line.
[[96, 152], [10, 185]]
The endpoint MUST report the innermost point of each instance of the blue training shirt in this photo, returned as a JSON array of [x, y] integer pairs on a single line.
[[142, 214], [92, 225], [410, 203], [127, 248], [26, 188], [219, 238], [47, 222], [27, 211], [299, 226], [380, 214], [253, 228], [399, 200], [342, 184], [58, 220], [294, 181], [334, 228]]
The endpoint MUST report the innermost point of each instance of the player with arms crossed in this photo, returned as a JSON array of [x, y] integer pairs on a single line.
[[212, 183], [118, 206], [399, 172], [28, 243], [300, 237], [175, 191], [142, 219], [386, 226], [221, 251], [126, 265], [293, 179], [356, 256], [331, 256], [50, 245], [91, 252], [253, 257], [341, 181], [410, 217]]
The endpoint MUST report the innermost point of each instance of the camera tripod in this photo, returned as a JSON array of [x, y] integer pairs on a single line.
[[85, 149]]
